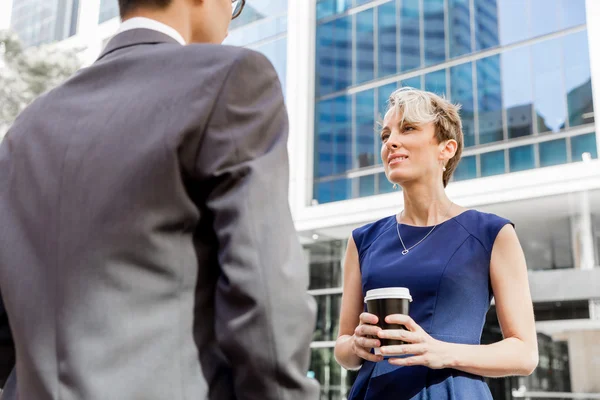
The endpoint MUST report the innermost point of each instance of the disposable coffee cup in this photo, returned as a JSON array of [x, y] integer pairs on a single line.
[[388, 301]]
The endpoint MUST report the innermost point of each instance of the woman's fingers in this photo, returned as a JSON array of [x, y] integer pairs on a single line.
[[363, 353], [366, 318], [405, 320], [400, 334]]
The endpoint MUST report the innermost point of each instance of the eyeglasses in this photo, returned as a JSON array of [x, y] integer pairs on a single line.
[[237, 7]]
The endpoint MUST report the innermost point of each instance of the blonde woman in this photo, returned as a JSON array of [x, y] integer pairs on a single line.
[[452, 259]]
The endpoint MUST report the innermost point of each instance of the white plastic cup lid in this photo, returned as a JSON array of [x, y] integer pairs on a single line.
[[388, 293]]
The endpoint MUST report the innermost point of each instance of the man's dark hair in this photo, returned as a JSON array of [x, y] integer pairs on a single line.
[[127, 6]]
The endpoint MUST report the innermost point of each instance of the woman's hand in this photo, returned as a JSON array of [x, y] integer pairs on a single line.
[[365, 338], [421, 349]]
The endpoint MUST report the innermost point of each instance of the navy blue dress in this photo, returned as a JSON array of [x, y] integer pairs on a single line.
[[448, 275]]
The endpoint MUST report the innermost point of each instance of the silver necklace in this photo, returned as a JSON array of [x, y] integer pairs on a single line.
[[405, 251]]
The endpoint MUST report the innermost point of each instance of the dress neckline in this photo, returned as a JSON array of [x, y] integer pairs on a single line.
[[395, 218]]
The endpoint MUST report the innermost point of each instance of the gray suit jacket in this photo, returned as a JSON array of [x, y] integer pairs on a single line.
[[147, 249]]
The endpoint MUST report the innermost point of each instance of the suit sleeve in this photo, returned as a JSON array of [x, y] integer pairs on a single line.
[[7, 347], [264, 316]]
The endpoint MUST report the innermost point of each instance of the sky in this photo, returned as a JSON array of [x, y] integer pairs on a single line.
[[5, 6]]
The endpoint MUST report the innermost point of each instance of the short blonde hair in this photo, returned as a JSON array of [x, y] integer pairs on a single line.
[[420, 107]]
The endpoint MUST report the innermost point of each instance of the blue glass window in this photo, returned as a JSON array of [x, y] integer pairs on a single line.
[[410, 36], [514, 18], [386, 39], [436, 82], [341, 189], [324, 139], [108, 9], [323, 192], [366, 185], [365, 51], [459, 15], [517, 90], [383, 95], [578, 79], [544, 17], [365, 126], [466, 169], [342, 134], [342, 53], [583, 144], [325, 59], [328, 8], [461, 78], [521, 158], [549, 92], [435, 36], [571, 13], [489, 97], [553, 152], [492, 163], [414, 82], [486, 24]]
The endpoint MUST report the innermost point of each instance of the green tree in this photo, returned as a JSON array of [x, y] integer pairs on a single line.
[[26, 73]]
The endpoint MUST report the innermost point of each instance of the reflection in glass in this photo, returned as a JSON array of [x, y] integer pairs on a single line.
[[486, 24], [322, 192], [342, 134], [384, 185], [514, 16], [549, 92], [466, 169], [435, 36], [517, 91], [547, 243], [461, 78], [571, 13], [328, 8], [324, 140], [341, 189], [328, 317], [410, 36], [583, 144], [325, 68], [489, 96], [334, 380], [324, 258], [436, 82], [387, 33], [342, 50], [383, 95], [521, 158], [366, 185], [544, 17], [365, 125], [256, 10], [365, 51], [553, 152], [578, 79], [459, 15], [492, 163]]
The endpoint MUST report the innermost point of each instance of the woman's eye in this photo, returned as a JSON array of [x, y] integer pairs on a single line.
[[408, 128], [385, 137]]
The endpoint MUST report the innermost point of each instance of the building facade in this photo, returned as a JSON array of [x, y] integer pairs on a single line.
[[526, 73]]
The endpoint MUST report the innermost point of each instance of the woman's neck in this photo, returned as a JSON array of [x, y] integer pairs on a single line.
[[425, 205]]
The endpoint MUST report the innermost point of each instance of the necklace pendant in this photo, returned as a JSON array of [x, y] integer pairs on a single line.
[[404, 252]]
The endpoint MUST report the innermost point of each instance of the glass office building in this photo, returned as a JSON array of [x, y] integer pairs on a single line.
[[39, 22], [109, 9], [520, 70]]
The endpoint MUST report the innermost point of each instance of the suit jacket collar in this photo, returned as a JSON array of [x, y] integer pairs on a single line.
[[135, 37]]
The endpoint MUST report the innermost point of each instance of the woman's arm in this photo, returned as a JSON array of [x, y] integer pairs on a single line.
[[352, 346], [516, 354]]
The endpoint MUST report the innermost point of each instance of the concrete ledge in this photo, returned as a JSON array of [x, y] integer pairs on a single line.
[[565, 284]]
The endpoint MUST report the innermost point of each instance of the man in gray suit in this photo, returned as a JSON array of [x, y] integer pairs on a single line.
[[147, 249]]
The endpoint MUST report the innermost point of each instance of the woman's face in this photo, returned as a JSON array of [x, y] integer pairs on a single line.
[[410, 152]]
